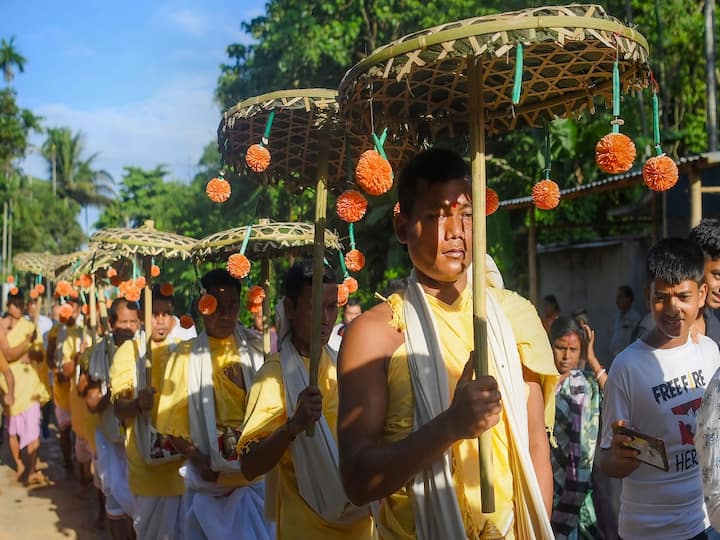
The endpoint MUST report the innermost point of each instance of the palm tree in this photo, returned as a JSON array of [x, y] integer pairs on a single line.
[[77, 178], [10, 59]]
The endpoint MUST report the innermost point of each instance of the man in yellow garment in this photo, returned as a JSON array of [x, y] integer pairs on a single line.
[[410, 410], [68, 345], [111, 463], [308, 500], [17, 339], [152, 468], [202, 408]]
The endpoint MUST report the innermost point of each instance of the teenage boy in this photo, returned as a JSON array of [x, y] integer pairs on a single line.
[[655, 386], [410, 410], [707, 235]]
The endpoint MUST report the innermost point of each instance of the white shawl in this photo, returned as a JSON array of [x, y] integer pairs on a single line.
[[201, 396], [436, 510]]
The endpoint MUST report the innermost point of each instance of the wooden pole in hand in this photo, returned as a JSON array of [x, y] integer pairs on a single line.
[[479, 266], [265, 280], [93, 311], [147, 266], [318, 263]]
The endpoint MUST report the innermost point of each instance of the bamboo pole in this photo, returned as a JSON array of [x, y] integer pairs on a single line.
[[265, 281], [110, 344], [147, 264], [479, 266], [318, 262], [532, 257], [93, 310]]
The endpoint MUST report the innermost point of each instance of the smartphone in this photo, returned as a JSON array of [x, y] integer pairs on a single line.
[[651, 449]]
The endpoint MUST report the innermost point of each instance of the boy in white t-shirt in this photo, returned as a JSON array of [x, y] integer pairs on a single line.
[[656, 386]]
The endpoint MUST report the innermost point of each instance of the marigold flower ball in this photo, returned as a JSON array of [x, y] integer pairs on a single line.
[[374, 173], [351, 206], [351, 284], [34, 294], [258, 158], [256, 295], [660, 173], [74, 294], [238, 265], [546, 195], [11, 279], [111, 273], [343, 295], [492, 201], [218, 190], [615, 153], [186, 321], [207, 304], [354, 260], [14, 291], [167, 289], [40, 288], [132, 293], [65, 312], [63, 288], [154, 270], [84, 281], [140, 282]]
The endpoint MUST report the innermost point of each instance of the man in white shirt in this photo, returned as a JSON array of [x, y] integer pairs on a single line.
[[352, 310], [625, 321]]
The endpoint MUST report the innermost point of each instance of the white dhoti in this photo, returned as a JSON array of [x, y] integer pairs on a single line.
[[213, 511], [159, 518], [113, 474]]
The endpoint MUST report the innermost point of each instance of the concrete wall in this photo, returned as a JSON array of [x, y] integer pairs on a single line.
[[588, 275]]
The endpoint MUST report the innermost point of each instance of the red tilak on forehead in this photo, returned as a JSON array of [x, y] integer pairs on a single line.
[[455, 204]]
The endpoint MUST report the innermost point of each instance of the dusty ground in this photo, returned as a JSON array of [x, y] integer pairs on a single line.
[[62, 509]]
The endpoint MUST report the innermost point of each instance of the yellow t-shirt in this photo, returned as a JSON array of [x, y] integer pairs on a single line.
[[28, 386], [173, 416], [454, 322], [265, 414], [83, 421], [69, 347], [163, 479]]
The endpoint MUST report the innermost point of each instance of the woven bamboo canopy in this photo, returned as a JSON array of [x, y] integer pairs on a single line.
[[304, 122], [266, 238], [144, 241], [34, 262], [417, 83]]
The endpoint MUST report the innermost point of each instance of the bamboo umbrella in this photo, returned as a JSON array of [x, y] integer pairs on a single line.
[[267, 239], [308, 148], [39, 264], [145, 243], [492, 74]]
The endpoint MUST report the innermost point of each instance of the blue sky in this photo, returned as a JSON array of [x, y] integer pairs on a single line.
[[136, 77]]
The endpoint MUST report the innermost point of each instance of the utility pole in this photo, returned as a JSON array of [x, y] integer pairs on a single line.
[[53, 158], [710, 77]]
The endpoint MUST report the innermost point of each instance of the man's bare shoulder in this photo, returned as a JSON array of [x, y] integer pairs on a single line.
[[371, 336]]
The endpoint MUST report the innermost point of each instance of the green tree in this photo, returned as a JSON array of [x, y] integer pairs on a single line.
[[10, 59]]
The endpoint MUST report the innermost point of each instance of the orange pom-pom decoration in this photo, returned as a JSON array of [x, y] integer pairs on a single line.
[[660, 173], [343, 295], [132, 293], [238, 265], [396, 209], [351, 206], [116, 280], [14, 291], [218, 190], [256, 295], [63, 288], [615, 153], [354, 260], [351, 284], [207, 304], [154, 270], [140, 282], [40, 288], [111, 273], [374, 173], [492, 201], [11, 279], [74, 294], [34, 294], [65, 312], [186, 321], [258, 158], [546, 194], [84, 281], [167, 289]]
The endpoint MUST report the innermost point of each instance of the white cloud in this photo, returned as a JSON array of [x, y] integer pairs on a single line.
[[190, 21], [171, 126]]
